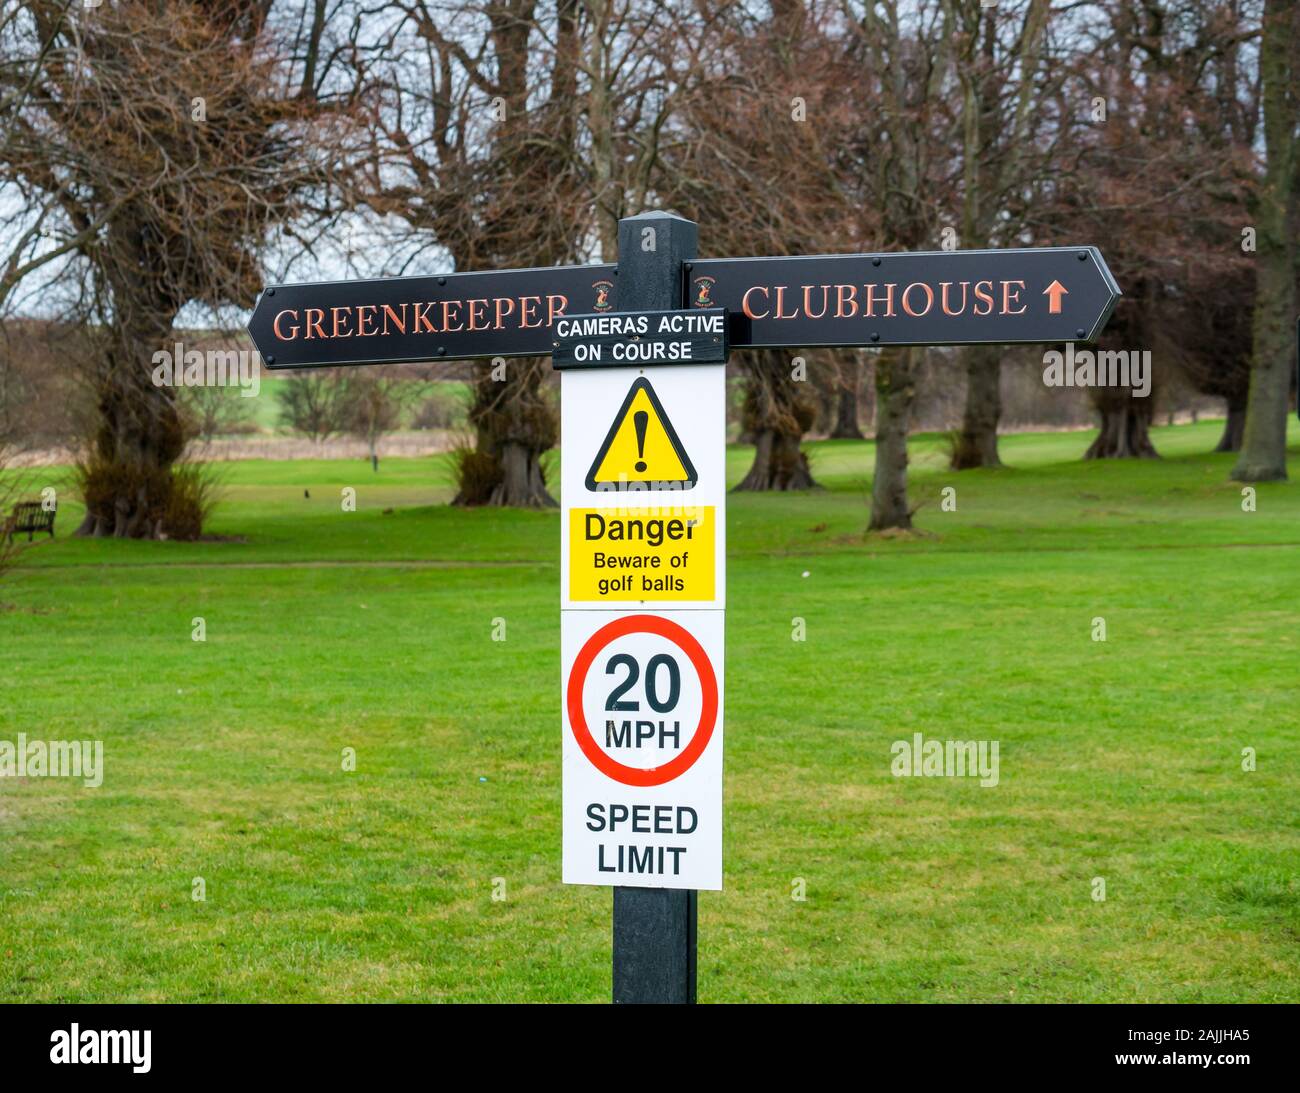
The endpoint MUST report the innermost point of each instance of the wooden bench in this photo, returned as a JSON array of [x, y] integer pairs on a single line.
[[31, 517]]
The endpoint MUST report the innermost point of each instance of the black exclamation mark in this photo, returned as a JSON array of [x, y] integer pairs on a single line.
[[639, 422]]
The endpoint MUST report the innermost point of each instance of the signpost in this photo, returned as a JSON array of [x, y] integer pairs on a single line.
[[641, 349], [1047, 294], [642, 596]]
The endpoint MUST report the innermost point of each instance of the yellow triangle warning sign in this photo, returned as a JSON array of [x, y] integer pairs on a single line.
[[642, 446]]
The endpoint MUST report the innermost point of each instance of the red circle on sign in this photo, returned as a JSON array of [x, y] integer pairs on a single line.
[[684, 640]]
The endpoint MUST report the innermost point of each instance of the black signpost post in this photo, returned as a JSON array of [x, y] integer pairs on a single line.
[[654, 928], [1044, 295]]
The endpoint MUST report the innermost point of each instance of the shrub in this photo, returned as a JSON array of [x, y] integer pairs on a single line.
[[477, 474], [191, 501], [180, 498]]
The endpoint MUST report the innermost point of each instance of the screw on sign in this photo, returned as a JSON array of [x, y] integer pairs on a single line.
[[643, 749]]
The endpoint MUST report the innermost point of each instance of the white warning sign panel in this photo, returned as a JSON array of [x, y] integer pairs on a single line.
[[642, 753], [643, 487]]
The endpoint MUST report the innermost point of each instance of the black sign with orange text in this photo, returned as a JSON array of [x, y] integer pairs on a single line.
[[1050, 294], [1041, 295], [459, 316]]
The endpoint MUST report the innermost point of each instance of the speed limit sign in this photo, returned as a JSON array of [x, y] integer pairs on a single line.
[[643, 748]]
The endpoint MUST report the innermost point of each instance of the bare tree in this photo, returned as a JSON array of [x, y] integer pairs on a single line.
[[752, 156], [315, 403], [375, 405], [1008, 82], [1214, 345], [216, 411], [1158, 180], [639, 61], [474, 134], [151, 148], [902, 161], [848, 387], [1263, 450]]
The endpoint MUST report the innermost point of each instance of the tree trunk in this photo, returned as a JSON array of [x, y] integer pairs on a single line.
[[977, 443], [776, 413], [1125, 431], [515, 425], [607, 191], [827, 408], [1234, 428], [1263, 448], [522, 484], [125, 474], [778, 464], [1263, 444], [526, 212], [846, 408], [895, 390]]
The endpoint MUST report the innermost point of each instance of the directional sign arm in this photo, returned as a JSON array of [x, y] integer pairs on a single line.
[[459, 316], [1053, 294], [1034, 295]]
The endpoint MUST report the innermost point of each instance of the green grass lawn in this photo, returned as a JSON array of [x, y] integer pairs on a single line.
[[372, 630]]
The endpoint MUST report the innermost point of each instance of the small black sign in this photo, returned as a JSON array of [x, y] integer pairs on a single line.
[[634, 339], [1049, 294], [504, 313]]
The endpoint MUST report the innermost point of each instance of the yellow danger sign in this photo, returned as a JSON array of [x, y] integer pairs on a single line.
[[642, 447], [643, 554]]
